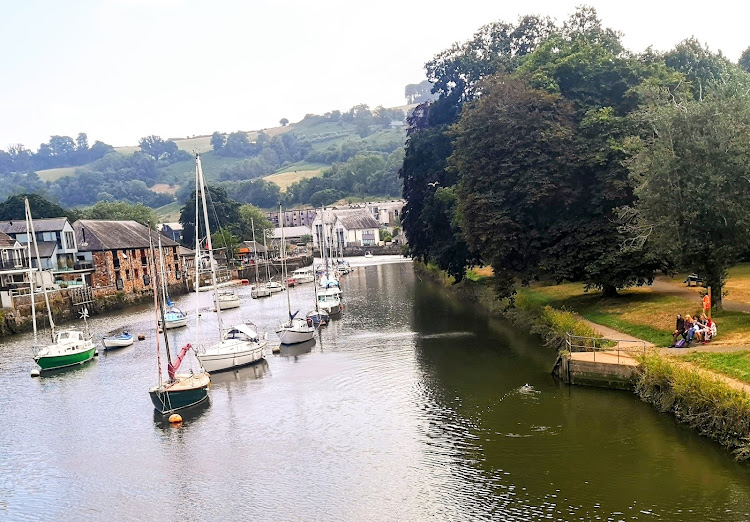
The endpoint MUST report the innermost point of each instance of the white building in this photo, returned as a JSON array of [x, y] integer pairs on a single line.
[[351, 227]]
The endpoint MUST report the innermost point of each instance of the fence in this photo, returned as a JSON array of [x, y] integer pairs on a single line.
[[577, 343]]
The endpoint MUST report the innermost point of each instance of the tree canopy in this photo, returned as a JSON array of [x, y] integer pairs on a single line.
[[223, 212]]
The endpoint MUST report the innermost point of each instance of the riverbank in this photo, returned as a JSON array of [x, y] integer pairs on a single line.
[[706, 402]]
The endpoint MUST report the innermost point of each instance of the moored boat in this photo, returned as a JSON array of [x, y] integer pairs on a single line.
[[303, 275], [227, 300], [71, 347], [329, 301], [240, 346], [274, 286], [318, 317], [174, 318], [117, 341], [259, 291]]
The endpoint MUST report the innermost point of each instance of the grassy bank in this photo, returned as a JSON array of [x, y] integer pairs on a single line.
[[732, 364], [698, 399]]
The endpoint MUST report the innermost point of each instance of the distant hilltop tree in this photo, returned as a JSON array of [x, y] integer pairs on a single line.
[[218, 140], [284, 122], [419, 92]]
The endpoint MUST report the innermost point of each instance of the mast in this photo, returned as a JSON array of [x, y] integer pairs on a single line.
[[208, 242], [158, 306], [255, 252], [31, 269], [162, 273], [197, 251], [39, 267], [283, 269], [324, 248], [268, 270]]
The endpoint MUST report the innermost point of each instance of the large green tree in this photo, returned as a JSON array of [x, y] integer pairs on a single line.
[[253, 218], [120, 210], [223, 212], [14, 207], [693, 186]]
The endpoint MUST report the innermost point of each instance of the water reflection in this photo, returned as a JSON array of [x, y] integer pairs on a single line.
[[189, 415], [241, 375], [296, 350]]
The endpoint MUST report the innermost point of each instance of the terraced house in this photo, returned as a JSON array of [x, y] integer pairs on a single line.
[[120, 252]]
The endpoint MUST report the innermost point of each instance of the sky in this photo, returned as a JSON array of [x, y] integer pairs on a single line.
[[122, 69]]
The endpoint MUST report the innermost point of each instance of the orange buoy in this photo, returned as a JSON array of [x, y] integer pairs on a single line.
[[175, 418], [141, 337], [245, 282]]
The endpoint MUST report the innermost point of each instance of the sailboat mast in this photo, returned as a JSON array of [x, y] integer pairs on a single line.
[[208, 242], [39, 267], [154, 289], [197, 251], [162, 272], [31, 269], [283, 267], [268, 269], [324, 248], [255, 252]]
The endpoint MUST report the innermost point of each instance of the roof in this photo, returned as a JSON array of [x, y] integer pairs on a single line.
[[46, 249], [292, 232], [176, 226], [6, 241], [259, 246], [356, 219], [18, 226], [185, 251], [98, 235]]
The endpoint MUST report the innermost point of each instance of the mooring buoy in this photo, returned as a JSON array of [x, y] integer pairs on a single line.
[[175, 418], [141, 337], [276, 349]]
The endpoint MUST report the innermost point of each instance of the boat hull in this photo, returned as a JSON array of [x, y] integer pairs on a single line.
[[226, 304], [295, 337], [178, 323], [255, 293], [116, 343], [218, 362], [176, 396], [53, 362], [331, 309]]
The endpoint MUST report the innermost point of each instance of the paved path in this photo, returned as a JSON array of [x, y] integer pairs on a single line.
[[612, 357]]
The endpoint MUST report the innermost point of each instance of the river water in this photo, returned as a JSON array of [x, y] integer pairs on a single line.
[[411, 406]]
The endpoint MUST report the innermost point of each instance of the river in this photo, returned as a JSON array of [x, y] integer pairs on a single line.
[[411, 406]]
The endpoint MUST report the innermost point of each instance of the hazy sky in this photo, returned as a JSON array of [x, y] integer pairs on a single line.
[[122, 69]]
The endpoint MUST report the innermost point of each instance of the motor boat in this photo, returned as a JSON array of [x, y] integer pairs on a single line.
[[329, 300], [303, 275], [274, 286], [117, 341]]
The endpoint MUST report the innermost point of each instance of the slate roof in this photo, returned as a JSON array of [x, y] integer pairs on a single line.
[[356, 219], [46, 249], [98, 235], [18, 226], [6, 241]]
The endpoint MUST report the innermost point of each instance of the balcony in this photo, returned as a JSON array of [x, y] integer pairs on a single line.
[[12, 264]]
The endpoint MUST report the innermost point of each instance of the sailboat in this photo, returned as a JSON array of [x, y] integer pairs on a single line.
[[257, 290], [69, 346], [318, 317], [173, 316], [272, 286], [241, 344], [178, 391], [296, 329], [329, 294]]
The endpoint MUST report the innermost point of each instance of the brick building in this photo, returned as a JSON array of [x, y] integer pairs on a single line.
[[120, 251]]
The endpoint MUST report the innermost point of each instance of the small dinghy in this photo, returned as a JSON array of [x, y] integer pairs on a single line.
[[117, 341]]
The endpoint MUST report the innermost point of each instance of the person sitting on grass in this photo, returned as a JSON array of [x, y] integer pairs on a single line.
[[710, 329], [679, 330], [689, 332], [700, 329]]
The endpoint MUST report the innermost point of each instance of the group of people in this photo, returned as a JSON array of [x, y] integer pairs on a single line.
[[688, 329]]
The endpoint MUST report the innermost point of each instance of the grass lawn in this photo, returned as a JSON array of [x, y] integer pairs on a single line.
[[169, 213], [302, 165], [54, 174], [640, 312], [733, 364], [284, 179]]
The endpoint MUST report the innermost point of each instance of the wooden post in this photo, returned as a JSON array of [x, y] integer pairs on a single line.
[[710, 300]]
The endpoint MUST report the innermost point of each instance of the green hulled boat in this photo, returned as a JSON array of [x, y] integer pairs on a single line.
[[71, 347]]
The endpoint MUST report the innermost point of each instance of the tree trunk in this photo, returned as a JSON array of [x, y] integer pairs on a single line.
[[609, 291], [716, 297]]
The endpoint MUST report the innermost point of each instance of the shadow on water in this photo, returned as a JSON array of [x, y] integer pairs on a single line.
[[253, 371]]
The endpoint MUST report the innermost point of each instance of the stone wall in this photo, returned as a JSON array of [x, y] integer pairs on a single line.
[[131, 265]]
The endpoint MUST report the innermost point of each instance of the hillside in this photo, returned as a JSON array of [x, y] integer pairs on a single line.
[[276, 160]]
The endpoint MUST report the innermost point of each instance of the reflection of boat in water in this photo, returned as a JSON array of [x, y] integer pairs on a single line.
[[255, 371], [188, 414], [294, 350]]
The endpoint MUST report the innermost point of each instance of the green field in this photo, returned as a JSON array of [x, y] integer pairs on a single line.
[[733, 364], [284, 179], [53, 174], [169, 213]]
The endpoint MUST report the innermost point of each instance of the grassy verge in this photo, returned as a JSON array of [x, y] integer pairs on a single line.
[[733, 364], [698, 399]]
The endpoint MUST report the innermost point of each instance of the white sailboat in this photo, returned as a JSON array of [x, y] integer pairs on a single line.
[[240, 344], [297, 329], [329, 293], [173, 316], [69, 346], [257, 290]]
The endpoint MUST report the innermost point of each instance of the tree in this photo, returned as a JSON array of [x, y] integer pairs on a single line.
[[82, 142], [238, 145], [120, 210], [419, 92], [223, 212], [699, 65], [157, 148], [217, 142], [744, 60], [693, 198], [224, 240], [325, 197], [253, 217], [284, 122], [14, 208]]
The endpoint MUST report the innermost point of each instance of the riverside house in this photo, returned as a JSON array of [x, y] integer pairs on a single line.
[[120, 251], [58, 250], [350, 227], [13, 268]]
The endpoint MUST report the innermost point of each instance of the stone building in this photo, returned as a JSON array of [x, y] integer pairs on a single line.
[[120, 251]]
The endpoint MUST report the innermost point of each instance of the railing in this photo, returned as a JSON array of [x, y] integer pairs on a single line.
[[13, 264], [577, 343]]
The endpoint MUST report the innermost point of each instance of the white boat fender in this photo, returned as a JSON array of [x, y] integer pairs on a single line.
[[35, 372]]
